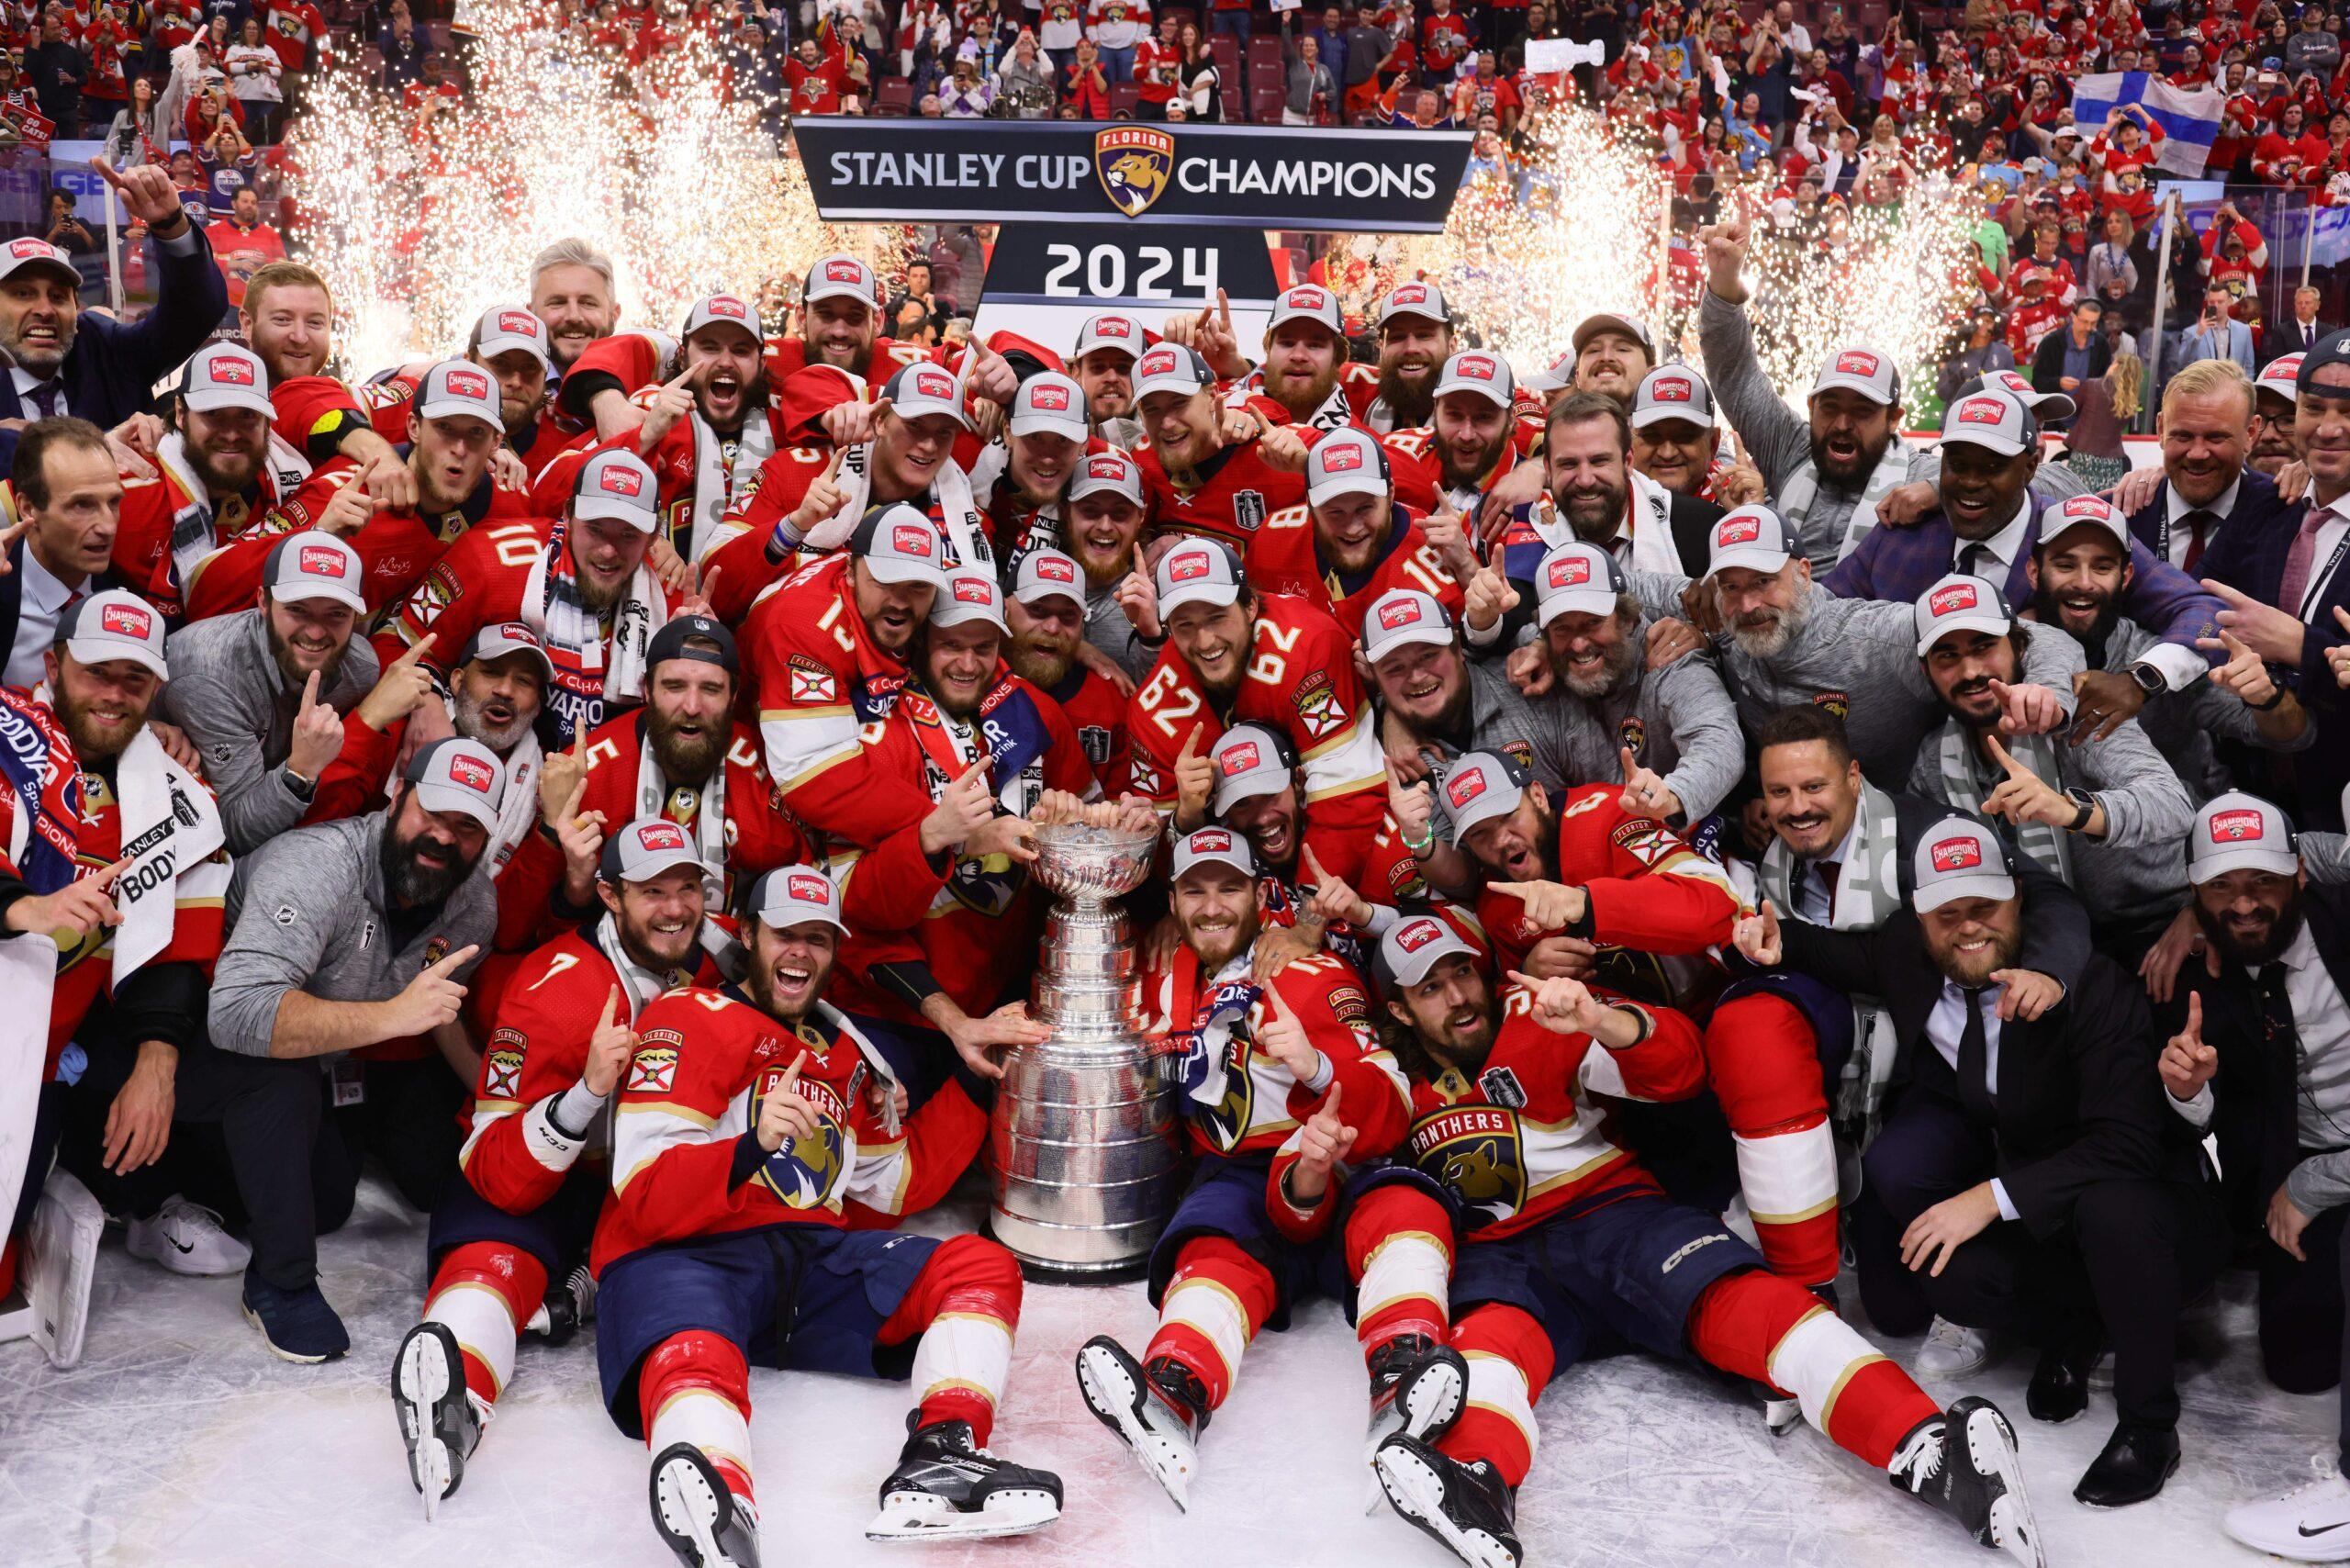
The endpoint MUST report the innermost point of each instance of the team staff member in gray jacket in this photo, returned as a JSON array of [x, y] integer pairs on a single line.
[[264, 693], [344, 934], [2108, 814]]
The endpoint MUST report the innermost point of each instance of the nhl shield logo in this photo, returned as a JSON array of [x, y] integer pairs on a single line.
[[1135, 163]]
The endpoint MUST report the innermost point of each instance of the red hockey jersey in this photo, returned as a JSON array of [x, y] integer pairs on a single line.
[[1228, 496], [1285, 559]]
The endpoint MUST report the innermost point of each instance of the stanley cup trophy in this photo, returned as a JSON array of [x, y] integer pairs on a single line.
[[1085, 1168]]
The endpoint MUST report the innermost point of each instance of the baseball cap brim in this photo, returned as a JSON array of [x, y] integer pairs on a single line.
[[214, 398], [50, 265], [458, 408], [1493, 802], [1486, 389], [1831, 380], [2202, 868], [1591, 327], [437, 797], [784, 916], [507, 343], [1237, 858], [1436, 633], [1364, 481], [657, 863], [1204, 592], [1687, 413], [1580, 600], [1037, 421], [647, 520], [898, 569], [1989, 620], [89, 651], [303, 590], [1267, 779], [1755, 557], [1085, 485], [1415, 965], [830, 290], [1990, 883], [2050, 404], [1989, 441]]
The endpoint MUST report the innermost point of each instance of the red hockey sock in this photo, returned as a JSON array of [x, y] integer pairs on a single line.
[[1763, 1062], [1399, 1254], [484, 1292], [1509, 1361], [1218, 1299], [965, 1305], [696, 1388], [1771, 1329]]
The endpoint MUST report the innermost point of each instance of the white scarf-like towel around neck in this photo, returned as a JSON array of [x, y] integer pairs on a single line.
[[717, 482], [552, 608], [710, 816], [171, 827], [518, 814], [967, 533]]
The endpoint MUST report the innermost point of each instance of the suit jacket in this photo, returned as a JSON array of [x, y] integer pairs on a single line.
[[2254, 1114], [2281, 338], [2234, 343], [113, 363], [2077, 1090], [2048, 360], [1692, 531], [1899, 563], [2257, 509]]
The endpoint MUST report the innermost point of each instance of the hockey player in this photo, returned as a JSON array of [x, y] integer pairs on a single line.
[[1305, 369], [288, 318], [1021, 485], [1106, 514], [580, 581], [1474, 437], [1234, 655], [1047, 613], [1414, 341], [1261, 1062], [1572, 1248], [824, 653], [841, 326], [1103, 365], [509, 1235], [749, 1117], [1201, 477], [1351, 541]]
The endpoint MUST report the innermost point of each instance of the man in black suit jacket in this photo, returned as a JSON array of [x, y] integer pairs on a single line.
[[2204, 498], [2261, 1059], [2300, 332], [2025, 1177], [56, 359], [2078, 338]]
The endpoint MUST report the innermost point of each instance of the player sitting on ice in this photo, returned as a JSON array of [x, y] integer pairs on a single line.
[[1266, 1066], [1570, 1250], [750, 1115], [524, 1206]]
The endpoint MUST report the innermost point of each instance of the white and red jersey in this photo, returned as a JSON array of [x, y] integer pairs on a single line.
[[1241, 1102], [1284, 558], [1301, 683], [1656, 905], [513, 1154], [686, 1161], [169, 518], [1522, 1140], [1158, 69], [1117, 24], [1228, 496], [294, 28]]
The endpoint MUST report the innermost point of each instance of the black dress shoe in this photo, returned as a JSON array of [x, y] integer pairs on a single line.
[[2059, 1389], [2136, 1462]]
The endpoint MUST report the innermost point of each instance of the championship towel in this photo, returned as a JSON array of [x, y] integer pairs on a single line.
[[2190, 115]]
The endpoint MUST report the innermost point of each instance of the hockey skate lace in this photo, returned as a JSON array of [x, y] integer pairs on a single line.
[[1923, 1459]]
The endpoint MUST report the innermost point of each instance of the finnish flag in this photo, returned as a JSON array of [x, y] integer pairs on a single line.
[[2189, 116]]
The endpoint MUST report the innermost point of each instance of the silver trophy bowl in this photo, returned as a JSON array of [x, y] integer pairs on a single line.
[[1084, 1164]]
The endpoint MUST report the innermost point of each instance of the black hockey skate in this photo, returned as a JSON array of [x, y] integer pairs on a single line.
[[1416, 1386], [1160, 1414], [1468, 1507], [570, 1302], [947, 1485], [438, 1422], [1965, 1465], [696, 1514]]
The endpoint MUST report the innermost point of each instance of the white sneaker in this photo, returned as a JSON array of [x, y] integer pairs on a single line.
[[1952, 1351], [186, 1239], [2308, 1524]]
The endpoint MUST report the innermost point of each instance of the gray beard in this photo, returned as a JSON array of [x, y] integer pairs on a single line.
[[500, 739], [1770, 644]]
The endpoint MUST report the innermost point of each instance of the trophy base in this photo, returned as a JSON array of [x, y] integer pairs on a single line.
[[1050, 1254]]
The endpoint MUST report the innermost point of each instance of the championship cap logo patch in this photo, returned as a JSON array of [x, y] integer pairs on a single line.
[[1052, 570], [1568, 572], [1417, 934], [472, 772], [519, 322], [652, 836], [229, 370], [1111, 327], [1052, 400], [1403, 613], [1134, 163], [1475, 367], [1409, 294], [1670, 389], [908, 539], [617, 480], [1161, 361], [1190, 567], [468, 383], [808, 888], [931, 384], [1239, 759], [1982, 411], [726, 304], [127, 620], [1342, 458], [1211, 841], [1737, 531], [973, 591], [840, 269], [2086, 505], [1304, 299], [1857, 362], [1464, 786], [323, 561], [2230, 827], [25, 249], [517, 631], [1952, 600], [1957, 854]]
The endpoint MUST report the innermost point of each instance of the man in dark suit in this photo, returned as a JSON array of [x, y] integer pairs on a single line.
[[2205, 490], [59, 360], [2025, 1178], [2075, 354], [2298, 333], [1985, 524], [2261, 1057]]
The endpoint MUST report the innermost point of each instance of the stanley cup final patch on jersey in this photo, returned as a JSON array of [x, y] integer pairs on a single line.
[[810, 681]]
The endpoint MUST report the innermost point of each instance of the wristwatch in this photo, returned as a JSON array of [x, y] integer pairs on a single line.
[[2150, 679], [2086, 803], [303, 788]]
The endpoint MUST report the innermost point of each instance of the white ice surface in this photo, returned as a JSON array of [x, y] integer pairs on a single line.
[[181, 1441]]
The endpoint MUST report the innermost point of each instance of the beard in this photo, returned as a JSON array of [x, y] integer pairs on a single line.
[[685, 759], [1040, 664], [411, 881], [1615, 664], [500, 738], [294, 677], [2281, 932], [95, 742], [1455, 477], [1413, 402], [1597, 514], [1836, 473], [1769, 642], [1976, 969], [2046, 606], [1301, 398], [225, 473], [1451, 721]]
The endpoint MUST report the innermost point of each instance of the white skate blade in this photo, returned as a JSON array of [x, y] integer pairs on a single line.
[[1381, 1430], [419, 1383], [688, 1508], [1431, 1403], [1418, 1494], [1110, 1393], [1992, 1446], [920, 1515]]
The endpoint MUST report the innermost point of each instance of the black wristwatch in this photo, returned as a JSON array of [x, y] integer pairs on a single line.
[[2150, 679], [2086, 805], [2275, 695]]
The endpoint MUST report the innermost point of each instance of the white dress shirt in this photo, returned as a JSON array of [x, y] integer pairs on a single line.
[[1815, 901], [25, 381], [43, 602], [1997, 555], [2330, 534], [1944, 1027], [2176, 507]]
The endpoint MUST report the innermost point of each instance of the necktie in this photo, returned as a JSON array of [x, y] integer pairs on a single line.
[[2298, 559], [44, 396], [2199, 523], [1974, 1062], [1829, 871], [1971, 559]]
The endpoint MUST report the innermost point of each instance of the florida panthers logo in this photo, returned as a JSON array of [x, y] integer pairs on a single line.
[[1135, 163], [1474, 1151], [805, 1170]]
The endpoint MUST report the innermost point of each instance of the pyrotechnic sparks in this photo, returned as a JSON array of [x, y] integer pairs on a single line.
[[418, 228]]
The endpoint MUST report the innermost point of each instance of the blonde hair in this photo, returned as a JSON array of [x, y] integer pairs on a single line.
[[2125, 384], [2203, 378], [281, 274]]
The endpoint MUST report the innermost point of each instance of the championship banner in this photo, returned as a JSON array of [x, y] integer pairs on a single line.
[[917, 171]]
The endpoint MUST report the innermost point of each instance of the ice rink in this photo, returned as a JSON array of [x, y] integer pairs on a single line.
[[181, 1441]]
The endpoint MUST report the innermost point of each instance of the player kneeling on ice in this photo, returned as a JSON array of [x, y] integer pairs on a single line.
[[524, 1206], [1573, 1249], [1268, 1063], [749, 1116]]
